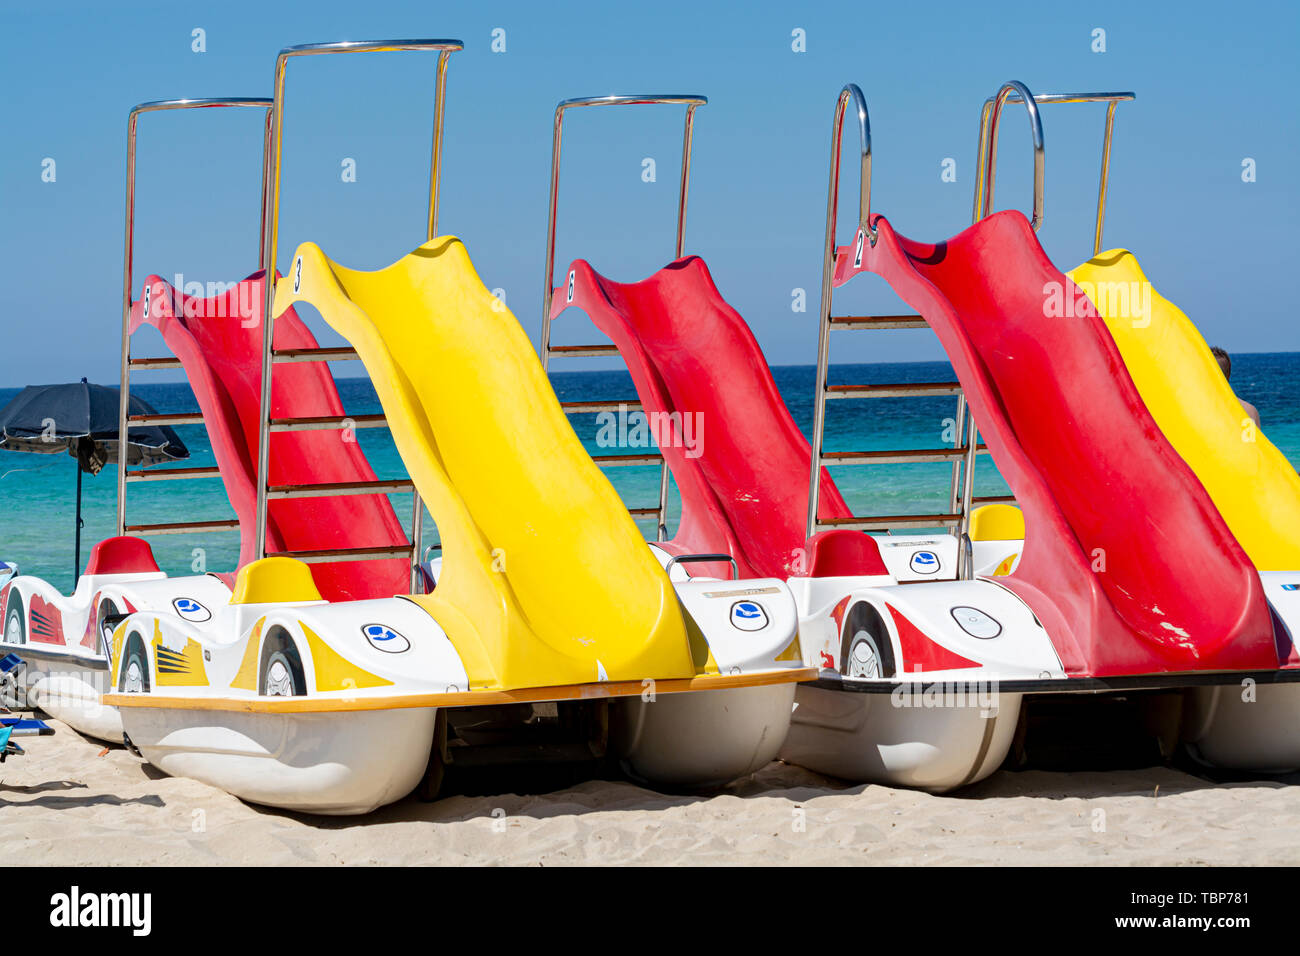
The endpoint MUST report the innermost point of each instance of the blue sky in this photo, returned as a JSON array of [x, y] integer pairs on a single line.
[[1213, 88]]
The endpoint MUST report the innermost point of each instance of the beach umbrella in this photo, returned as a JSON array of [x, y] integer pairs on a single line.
[[81, 419]]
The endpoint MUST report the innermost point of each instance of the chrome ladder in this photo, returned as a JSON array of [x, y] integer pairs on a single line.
[[272, 356], [966, 445], [691, 102], [129, 364]]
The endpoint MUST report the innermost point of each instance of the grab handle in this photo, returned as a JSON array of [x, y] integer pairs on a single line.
[[988, 151], [690, 100], [271, 237], [702, 559], [128, 245], [854, 93]]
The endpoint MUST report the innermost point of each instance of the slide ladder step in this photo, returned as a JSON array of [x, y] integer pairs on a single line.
[[334, 555], [331, 489], [886, 522], [893, 390], [619, 461], [328, 422], [335, 353], [582, 351], [174, 474], [155, 363], [908, 456], [183, 527], [591, 408], [165, 418], [861, 323]]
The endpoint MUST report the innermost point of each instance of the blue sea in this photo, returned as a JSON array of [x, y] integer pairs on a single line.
[[39, 490]]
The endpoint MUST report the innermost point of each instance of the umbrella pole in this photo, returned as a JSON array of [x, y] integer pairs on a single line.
[[76, 568]]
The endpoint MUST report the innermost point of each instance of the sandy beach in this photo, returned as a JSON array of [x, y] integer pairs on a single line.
[[68, 802]]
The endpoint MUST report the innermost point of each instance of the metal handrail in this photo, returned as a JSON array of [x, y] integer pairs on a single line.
[[128, 254], [986, 169], [271, 216], [691, 101], [866, 232], [1112, 100]]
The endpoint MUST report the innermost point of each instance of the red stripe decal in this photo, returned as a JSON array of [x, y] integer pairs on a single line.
[[922, 654]]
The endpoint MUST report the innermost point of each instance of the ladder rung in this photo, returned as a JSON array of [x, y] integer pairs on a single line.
[[893, 390], [161, 362], [174, 474], [858, 322], [330, 556], [339, 353], [589, 408], [583, 351], [617, 461], [183, 527], [326, 422], [163, 418], [338, 489], [643, 512], [993, 500], [898, 456], [885, 522]]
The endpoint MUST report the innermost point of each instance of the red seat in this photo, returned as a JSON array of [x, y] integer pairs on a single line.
[[843, 553], [124, 555]]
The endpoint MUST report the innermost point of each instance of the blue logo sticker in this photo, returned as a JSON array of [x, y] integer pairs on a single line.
[[190, 609], [748, 616], [1291, 587], [924, 562], [384, 638]]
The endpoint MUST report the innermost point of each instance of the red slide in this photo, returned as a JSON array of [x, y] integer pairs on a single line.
[[739, 460], [219, 341], [1127, 563]]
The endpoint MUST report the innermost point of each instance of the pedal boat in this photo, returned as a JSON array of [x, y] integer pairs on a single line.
[[546, 592], [65, 639]]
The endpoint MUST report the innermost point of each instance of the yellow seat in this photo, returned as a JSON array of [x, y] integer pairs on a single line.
[[997, 523], [275, 581], [1252, 484], [545, 578]]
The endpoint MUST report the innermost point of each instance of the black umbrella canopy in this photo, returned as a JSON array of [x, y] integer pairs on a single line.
[[82, 419]]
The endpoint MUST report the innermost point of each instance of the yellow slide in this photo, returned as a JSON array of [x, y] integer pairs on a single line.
[[1253, 485], [545, 579]]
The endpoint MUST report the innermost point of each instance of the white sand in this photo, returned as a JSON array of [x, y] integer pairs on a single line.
[[66, 804]]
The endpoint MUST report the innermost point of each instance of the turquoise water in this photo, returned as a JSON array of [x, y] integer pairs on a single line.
[[39, 490]]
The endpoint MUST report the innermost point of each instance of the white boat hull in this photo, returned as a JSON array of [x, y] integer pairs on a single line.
[[702, 739], [1238, 728], [328, 763], [870, 738], [67, 686], [74, 699]]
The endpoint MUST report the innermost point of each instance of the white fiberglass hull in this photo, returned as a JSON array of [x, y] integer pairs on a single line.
[[67, 686], [901, 740], [1253, 727], [74, 699], [329, 763], [703, 739]]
